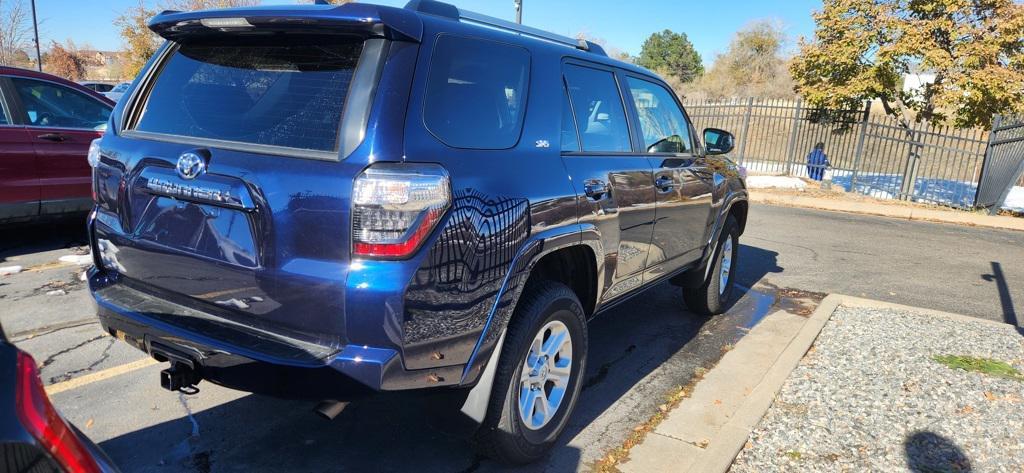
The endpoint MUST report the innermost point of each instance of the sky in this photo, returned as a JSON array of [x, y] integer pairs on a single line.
[[624, 25]]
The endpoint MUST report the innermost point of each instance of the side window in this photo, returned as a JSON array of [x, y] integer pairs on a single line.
[[570, 139], [663, 124], [52, 105], [476, 92], [600, 117]]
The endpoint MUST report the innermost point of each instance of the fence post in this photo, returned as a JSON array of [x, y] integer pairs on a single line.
[[746, 128], [859, 152], [996, 121], [910, 170], [791, 146]]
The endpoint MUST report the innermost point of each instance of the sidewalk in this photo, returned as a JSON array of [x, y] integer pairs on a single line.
[[892, 210]]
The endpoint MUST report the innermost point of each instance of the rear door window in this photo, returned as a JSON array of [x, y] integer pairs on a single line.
[[56, 106], [476, 92], [276, 92], [600, 116]]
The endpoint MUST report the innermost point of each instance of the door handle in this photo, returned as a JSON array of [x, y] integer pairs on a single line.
[[664, 183], [55, 137], [595, 188]]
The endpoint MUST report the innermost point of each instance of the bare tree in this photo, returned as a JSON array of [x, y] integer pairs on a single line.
[[15, 33]]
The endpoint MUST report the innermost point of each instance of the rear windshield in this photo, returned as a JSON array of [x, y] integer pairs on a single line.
[[283, 92]]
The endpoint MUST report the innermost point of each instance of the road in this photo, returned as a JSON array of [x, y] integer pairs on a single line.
[[647, 348], [966, 270]]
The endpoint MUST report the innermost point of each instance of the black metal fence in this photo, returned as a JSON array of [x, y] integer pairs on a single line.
[[868, 153], [1004, 162]]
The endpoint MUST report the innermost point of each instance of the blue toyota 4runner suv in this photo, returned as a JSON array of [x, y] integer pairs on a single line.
[[320, 202]]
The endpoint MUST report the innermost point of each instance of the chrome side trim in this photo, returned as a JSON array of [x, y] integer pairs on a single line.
[[479, 397]]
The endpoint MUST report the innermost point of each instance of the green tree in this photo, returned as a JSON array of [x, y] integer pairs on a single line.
[[753, 66], [862, 49], [671, 53]]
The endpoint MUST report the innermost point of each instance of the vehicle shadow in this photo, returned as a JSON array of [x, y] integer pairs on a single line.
[[928, 452], [639, 352], [23, 239]]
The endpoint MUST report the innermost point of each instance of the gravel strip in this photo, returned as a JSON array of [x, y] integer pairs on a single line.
[[869, 396]]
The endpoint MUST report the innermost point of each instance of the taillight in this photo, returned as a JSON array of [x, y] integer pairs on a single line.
[[395, 207], [41, 420], [93, 158]]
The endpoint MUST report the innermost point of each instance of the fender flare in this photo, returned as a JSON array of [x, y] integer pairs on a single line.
[[532, 251]]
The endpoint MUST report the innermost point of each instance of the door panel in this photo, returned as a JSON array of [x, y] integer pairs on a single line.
[[19, 184], [684, 191], [614, 187], [65, 177], [60, 122]]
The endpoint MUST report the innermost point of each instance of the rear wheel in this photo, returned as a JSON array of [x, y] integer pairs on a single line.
[[538, 377], [711, 297]]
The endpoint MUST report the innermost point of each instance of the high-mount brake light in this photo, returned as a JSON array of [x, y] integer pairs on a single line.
[[395, 207], [41, 420], [225, 23]]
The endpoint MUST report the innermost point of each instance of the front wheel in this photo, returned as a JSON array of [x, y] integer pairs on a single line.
[[710, 298], [539, 375]]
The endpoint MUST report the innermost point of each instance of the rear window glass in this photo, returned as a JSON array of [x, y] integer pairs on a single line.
[[476, 92], [287, 93]]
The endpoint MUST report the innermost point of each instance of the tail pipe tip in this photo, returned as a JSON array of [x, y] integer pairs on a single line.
[[330, 409]]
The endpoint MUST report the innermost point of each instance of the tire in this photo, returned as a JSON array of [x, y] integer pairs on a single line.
[[711, 297], [505, 435]]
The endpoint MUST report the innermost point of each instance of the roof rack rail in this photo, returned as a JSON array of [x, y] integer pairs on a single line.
[[448, 10]]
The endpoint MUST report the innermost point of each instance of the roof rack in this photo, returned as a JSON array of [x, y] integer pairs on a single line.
[[448, 10]]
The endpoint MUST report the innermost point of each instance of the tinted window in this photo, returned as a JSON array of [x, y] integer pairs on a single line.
[[600, 118], [273, 92], [570, 140], [476, 92], [662, 122], [3, 113], [51, 105]]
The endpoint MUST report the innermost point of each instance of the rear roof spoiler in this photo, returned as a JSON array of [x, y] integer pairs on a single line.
[[353, 18]]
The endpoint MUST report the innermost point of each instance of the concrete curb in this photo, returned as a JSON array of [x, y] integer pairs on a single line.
[[891, 211], [706, 431], [721, 453]]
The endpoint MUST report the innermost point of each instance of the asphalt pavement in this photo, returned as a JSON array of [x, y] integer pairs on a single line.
[[966, 270], [640, 351]]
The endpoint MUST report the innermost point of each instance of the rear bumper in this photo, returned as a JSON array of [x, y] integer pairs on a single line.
[[249, 359]]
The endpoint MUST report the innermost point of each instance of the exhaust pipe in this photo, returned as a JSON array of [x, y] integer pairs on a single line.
[[330, 409]]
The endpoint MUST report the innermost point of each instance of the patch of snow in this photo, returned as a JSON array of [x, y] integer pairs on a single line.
[[81, 260], [778, 182], [1015, 199], [84, 276], [56, 292], [6, 270]]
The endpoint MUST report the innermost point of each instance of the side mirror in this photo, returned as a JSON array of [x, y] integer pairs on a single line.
[[718, 141]]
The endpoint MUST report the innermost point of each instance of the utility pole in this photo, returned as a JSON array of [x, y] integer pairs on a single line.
[[519, 11], [35, 29]]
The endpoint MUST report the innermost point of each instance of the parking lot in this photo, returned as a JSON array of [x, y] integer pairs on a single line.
[[641, 350]]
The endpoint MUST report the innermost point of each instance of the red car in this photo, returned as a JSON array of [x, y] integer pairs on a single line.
[[46, 126]]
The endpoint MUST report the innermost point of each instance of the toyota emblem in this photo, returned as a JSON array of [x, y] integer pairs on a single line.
[[190, 165]]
